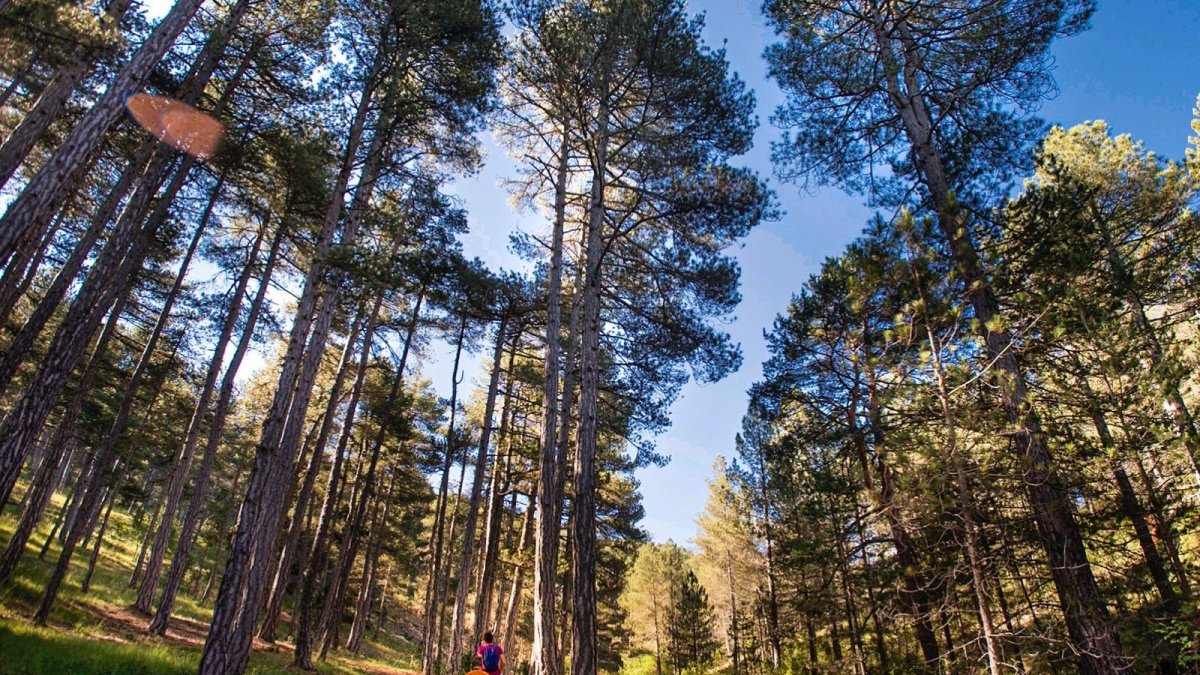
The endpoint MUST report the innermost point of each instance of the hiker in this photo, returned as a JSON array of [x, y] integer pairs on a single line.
[[490, 655]]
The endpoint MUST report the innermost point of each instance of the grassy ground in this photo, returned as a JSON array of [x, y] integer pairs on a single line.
[[97, 632]]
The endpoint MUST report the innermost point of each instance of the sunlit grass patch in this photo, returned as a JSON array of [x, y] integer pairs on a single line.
[[28, 649]]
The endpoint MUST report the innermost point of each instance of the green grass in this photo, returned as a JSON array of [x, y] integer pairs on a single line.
[[27, 649], [92, 633]]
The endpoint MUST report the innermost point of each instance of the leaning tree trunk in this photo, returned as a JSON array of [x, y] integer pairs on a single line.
[[183, 457], [147, 539], [967, 510], [227, 648], [327, 624], [191, 519], [1097, 645], [33, 207], [518, 582], [484, 591], [22, 270], [122, 254], [111, 499], [370, 566], [436, 543], [106, 452], [35, 123], [66, 275], [283, 571], [583, 533], [544, 656], [65, 434], [468, 551]]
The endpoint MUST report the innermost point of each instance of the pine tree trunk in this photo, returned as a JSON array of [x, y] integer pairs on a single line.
[[467, 558], [91, 568], [514, 596], [328, 623], [227, 648], [1164, 528], [147, 540], [65, 435], [583, 532], [484, 591], [1096, 643], [1177, 408], [1132, 509], [283, 572], [545, 566], [309, 635], [108, 446], [65, 276], [444, 580], [181, 465], [966, 504], [123, 254], [105, 462], [35, 123], [433, 599], [41, 196], [18, 277], [370, 567], [191, 519]]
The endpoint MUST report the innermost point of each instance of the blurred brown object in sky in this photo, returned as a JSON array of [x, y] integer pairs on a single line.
[[177, 124]]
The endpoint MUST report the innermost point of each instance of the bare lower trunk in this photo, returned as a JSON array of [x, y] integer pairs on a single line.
[[370, 568], [966, 504], [545, 566], [583, 517], [433, 600], [468, 551], [329, 621], [485, 591], [514, 595], [181, 466], [308, 633], [86, 585], [65, 435], [227, 648], [283, 571], [191, 519]]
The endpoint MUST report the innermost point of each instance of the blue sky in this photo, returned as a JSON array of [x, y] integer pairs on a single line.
[[1138, 68]]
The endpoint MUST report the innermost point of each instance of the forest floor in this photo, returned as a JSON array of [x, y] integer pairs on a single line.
[[99, 632]]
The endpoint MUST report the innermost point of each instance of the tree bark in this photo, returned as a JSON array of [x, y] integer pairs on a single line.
[[123, 253], [181, 465], [106, 456], [484, 591], [41, 196], [65, 434], [514, 595], [227, 648], [1097, 645], [370, 565], [191, 519], [545, 565], [111, 499], [433, 599], [83, 59], [327, 624], [283, 572], [583, 534], [469, 529]]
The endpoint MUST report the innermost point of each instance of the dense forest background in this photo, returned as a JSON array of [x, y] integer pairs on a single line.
[[973, 447]]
